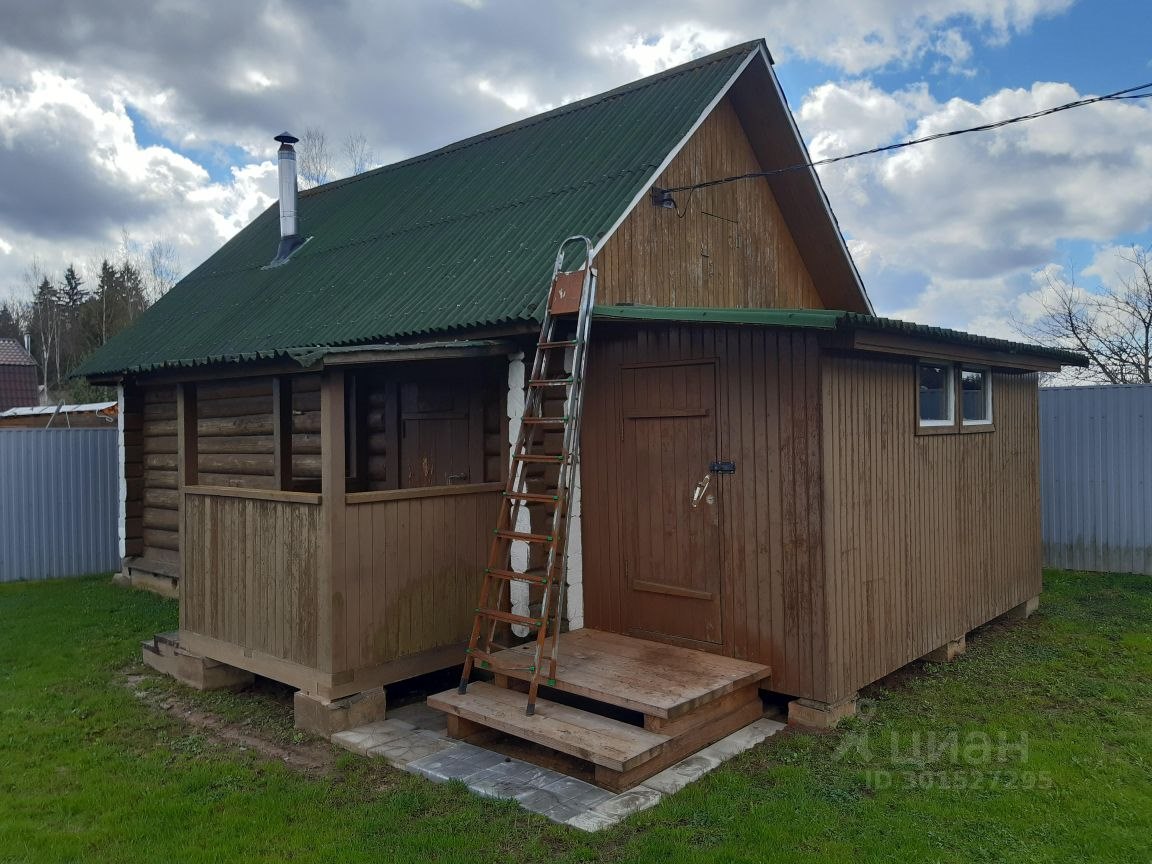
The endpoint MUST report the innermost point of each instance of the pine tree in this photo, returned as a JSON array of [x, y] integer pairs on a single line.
[[9, 326]]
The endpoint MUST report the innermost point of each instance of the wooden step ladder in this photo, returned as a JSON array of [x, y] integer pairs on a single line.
[[553, 407]]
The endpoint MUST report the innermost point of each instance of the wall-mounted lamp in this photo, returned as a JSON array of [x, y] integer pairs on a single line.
[[663, 198]]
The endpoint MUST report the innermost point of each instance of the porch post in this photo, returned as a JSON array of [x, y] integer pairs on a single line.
[[187, 469], [331, 582]]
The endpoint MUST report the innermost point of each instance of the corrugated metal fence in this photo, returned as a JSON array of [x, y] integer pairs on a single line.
[[58, 503], [1096, 477]]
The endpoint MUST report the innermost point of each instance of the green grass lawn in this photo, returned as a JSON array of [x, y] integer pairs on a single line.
[[1035, 746]]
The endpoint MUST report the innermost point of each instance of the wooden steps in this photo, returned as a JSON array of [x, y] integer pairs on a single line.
[[600, 740], [686, 700], [657, 680]]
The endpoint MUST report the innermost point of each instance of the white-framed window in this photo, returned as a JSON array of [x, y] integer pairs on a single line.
[[975, 395], [936, 397]]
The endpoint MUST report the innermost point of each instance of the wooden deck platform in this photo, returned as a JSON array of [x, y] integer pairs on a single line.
[[687, 700]]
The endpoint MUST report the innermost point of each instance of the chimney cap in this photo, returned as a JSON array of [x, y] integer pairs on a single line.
[[286, 138]]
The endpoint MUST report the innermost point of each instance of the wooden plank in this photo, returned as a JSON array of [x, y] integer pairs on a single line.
[[422, 492], [655, 679], [255, 494], [680, 747], [600, 740]]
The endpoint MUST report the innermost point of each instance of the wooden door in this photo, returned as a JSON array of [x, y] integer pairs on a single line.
[[671, 548]]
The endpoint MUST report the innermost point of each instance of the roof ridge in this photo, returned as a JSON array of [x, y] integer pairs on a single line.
[[545, 116]]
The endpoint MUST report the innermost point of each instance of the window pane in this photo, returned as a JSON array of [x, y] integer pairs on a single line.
[[974, 395], [935, 393]]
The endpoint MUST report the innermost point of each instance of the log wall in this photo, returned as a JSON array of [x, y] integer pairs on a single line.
[[726, 246], [234, 434], [160, 537], [132, 422]]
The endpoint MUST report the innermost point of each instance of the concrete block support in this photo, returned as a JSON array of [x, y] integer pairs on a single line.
[[820, 715], [947, 652], [327, 717], [165, 586], [164, 654], [1023, 611]]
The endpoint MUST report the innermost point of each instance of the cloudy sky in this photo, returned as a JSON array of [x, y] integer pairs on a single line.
[[156, 117]]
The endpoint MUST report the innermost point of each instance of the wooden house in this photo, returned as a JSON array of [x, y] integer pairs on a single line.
[[19, 379], [316, 433]]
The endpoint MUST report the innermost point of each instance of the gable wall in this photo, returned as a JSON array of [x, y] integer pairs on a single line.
[[726, 246]]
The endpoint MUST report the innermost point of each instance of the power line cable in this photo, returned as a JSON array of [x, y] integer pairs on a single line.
[[659, 193]]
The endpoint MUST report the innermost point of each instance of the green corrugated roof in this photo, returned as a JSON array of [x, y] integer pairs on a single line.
[[460, 237], [821, 319], [832, 319]]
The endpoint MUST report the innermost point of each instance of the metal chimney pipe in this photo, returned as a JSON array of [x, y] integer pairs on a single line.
[[286, 162]]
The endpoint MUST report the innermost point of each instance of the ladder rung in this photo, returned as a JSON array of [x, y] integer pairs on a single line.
[[566, 343], [527, 538], [551, 382], [484, 661], [537, 577], [510, 617], [532, 497], [547, 458], [544, 421]]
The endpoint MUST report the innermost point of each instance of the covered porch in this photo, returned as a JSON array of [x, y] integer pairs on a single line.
[[330, 513]]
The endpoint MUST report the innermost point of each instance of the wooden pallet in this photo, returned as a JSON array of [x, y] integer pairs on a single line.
[[686, 700]]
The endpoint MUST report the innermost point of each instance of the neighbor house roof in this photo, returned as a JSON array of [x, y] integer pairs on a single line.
[[462, 237], [832, 319], [18, 379], [106, 408]]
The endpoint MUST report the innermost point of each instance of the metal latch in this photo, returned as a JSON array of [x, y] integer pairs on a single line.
[[722, 468]]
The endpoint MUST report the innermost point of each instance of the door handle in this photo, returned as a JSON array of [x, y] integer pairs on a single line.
[[701, 488]]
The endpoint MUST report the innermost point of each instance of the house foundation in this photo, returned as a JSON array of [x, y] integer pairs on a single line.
[[820, 715], [146, 580], [947, 652], [326, 717], [164, 654], [1023, 611]]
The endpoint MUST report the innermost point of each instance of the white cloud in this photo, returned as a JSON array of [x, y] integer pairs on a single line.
[[1113, 266], [650, 52], [77, 176], [213, 78], [969, 214]]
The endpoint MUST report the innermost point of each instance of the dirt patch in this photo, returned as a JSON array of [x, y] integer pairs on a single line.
[[313, 758]]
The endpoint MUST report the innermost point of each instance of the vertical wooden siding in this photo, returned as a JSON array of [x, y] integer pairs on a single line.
[[724, 246], [771, 508], [250, 575], [412, 572], [926, 536], [160, 534]]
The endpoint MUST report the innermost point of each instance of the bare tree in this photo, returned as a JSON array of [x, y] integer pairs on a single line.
[[313, 160], [358, 154], [1112, 328], [163, 268]]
